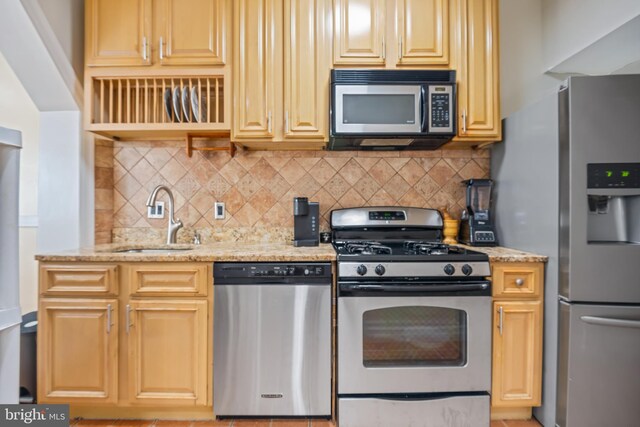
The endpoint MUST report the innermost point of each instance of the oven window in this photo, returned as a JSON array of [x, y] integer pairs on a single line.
[[414, 336], [379, 109]]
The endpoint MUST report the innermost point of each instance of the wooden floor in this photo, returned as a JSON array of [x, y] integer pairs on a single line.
[[248, 423]]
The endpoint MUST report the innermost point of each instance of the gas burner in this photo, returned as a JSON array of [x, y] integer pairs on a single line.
[[427, 248], [367, 248]]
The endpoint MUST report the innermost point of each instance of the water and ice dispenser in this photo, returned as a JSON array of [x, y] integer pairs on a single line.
[[613, 193]]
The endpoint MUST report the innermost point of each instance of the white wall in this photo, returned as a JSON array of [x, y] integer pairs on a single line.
[[570, 26], [66, 18], [537, 35], [17, 111]]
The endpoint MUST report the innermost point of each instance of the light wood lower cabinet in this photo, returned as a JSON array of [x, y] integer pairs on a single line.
[[147, 347], [77, 351], [517, 338], [517, 359], [167, 343]]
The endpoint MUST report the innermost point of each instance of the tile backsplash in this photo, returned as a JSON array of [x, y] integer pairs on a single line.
[[258, 187]]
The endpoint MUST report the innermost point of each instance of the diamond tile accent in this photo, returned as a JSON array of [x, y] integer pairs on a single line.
[[218, 186], [188, 186], [441, 172], [396, 187]]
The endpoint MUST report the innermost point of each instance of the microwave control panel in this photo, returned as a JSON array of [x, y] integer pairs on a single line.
[[441, 109]]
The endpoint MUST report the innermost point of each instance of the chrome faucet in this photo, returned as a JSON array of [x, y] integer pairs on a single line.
[[174, 225]]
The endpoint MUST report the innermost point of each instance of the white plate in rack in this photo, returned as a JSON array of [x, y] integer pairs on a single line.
[[168, 106], [177, 105], [186, 104], [198, 105]]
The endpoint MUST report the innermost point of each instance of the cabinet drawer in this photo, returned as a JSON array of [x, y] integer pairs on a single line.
[[78, 279], [169, 279], [519, 280]]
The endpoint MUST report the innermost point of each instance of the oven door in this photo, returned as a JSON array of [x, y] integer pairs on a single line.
[[414, 344], [378, 109]]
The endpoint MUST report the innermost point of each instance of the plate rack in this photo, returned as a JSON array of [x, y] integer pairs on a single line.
[[122, 107]]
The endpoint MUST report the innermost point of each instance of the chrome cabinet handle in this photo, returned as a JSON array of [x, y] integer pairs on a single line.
[[145, 57], [464, 121], [108, 318], [269, 121], [384, 50], [608, 321], [519, 282], [128, 318], [161, 50], [500, 318], [400, 50], [286, 122]]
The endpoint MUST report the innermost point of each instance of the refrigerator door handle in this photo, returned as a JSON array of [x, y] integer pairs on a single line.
[[608, 321]]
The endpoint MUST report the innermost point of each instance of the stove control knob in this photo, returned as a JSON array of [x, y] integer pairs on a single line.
[[467, 270], [380, 269], [361, 270], [449, 269]]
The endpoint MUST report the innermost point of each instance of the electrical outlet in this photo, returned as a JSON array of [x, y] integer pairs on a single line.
[[218, 210], [156, 212]]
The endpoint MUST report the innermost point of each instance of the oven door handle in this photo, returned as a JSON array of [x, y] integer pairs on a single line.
[[418, 287]]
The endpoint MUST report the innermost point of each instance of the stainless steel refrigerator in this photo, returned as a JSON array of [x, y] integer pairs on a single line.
[[10, 144], [568, 186]]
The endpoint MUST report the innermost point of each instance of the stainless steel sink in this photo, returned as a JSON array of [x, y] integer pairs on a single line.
[[152, 250]]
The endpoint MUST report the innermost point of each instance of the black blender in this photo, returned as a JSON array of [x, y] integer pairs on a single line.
[[476, 223]]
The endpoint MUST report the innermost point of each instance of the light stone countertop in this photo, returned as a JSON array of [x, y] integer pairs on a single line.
[[222, 251], [240, 252]]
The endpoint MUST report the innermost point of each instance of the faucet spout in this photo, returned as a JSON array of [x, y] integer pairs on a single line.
[[174, 224]]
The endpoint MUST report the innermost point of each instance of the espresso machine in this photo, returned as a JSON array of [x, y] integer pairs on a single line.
[[306, 217], [476, 223]]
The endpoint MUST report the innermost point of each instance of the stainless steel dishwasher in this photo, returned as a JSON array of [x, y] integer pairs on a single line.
[[272, 339]]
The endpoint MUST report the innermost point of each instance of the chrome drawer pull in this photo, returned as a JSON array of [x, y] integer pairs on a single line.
[[608, 321]]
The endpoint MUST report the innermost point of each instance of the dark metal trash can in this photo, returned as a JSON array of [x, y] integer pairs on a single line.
[[28, 374]]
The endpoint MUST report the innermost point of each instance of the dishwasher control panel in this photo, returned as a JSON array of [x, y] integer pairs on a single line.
[[230, 271]]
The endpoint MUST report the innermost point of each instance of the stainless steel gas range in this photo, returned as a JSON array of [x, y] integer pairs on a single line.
[[414, 322]]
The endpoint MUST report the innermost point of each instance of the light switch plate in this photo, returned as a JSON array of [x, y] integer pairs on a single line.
[[156, 212], [218, 210]]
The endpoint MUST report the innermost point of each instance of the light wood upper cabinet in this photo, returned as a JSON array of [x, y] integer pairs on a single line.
[[77, 351], [477, 67], [281, 71], [158, 32], [359, 32], [191, 32], [517, 354], [306, 69], [168, 352], [118, 32], [423, 32], [256, 71], [391, 33]]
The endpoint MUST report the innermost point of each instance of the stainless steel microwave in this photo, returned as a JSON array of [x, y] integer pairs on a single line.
[[392, 109]]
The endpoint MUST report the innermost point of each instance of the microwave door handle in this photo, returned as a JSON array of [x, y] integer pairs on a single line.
[[423, 110]]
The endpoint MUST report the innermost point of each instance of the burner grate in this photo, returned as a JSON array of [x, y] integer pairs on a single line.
[[367, 248]]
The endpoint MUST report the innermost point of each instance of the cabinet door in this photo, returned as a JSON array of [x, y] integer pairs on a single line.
[[359, 32], [192, 32], [167, 352], [77, 351], [257, 68], [118, 32], [423, 32], [478, 85], [517, 354], [307, 67]]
